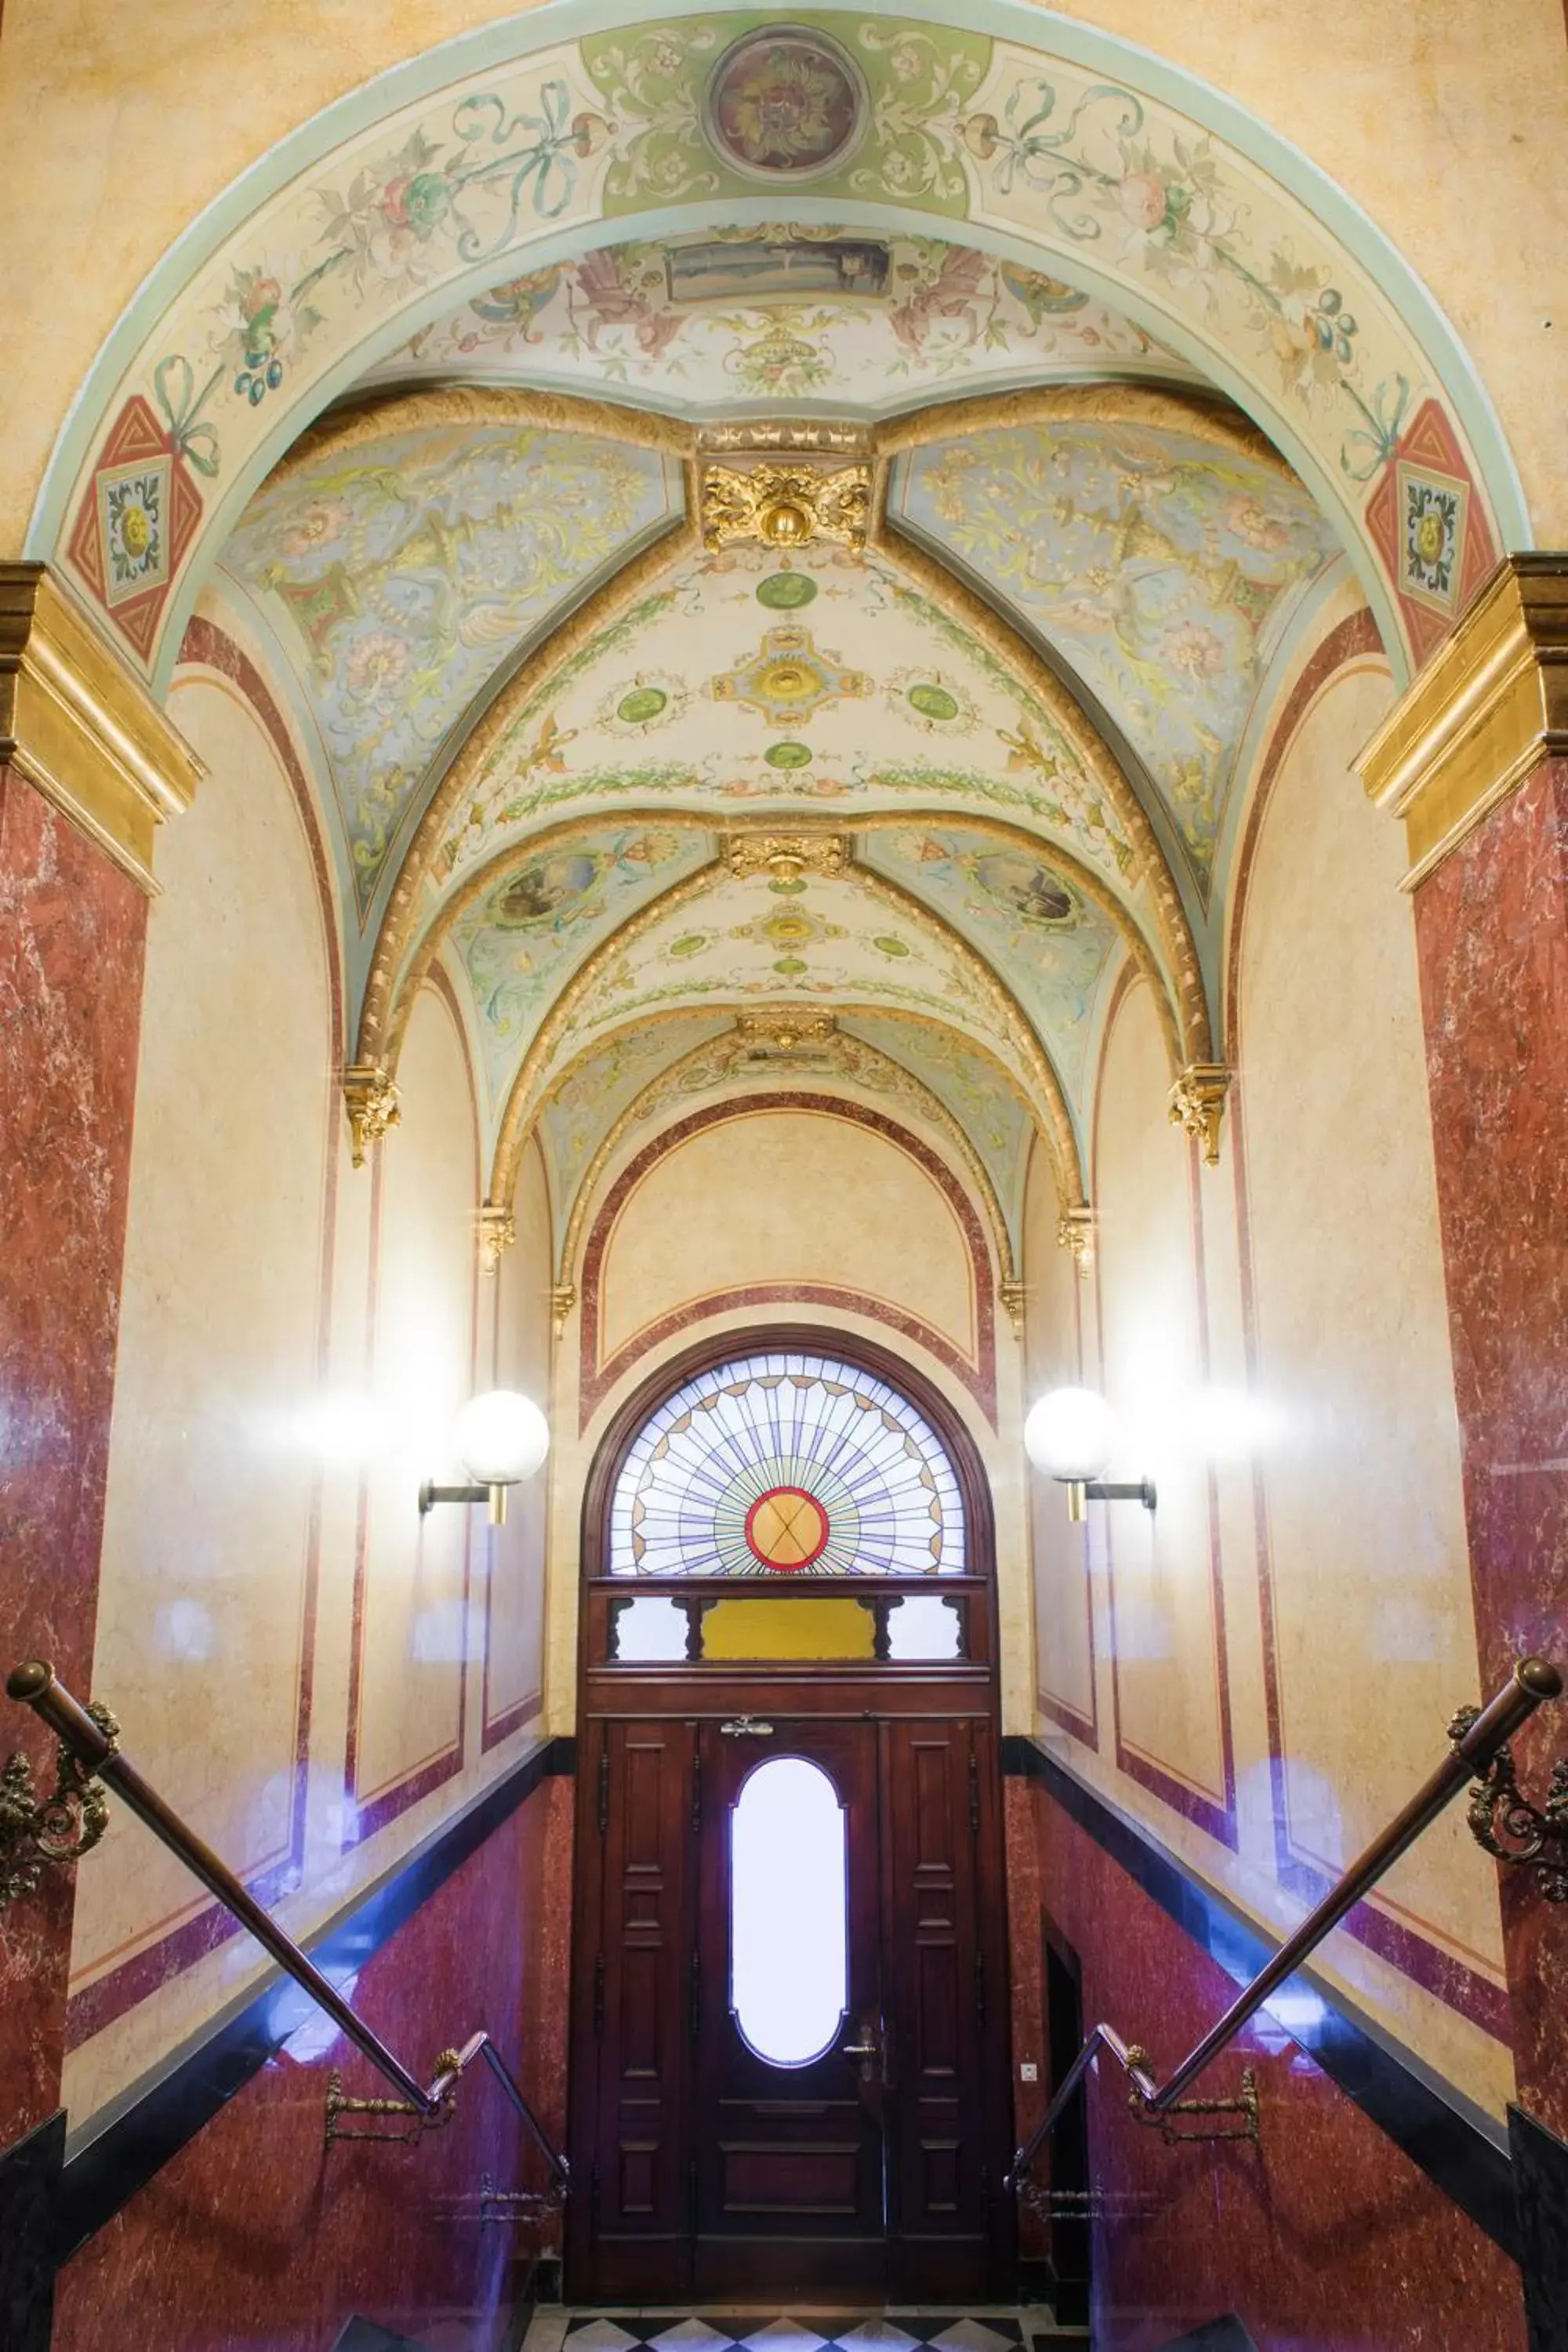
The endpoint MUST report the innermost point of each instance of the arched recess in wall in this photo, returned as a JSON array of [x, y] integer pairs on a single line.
[[858, 1201], [211, 1521], [1055, 144], [1361, 1556]]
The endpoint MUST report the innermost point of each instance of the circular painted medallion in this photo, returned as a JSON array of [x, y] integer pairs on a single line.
[[788, 1529], [643, 703], [787, 592], [786, 104]]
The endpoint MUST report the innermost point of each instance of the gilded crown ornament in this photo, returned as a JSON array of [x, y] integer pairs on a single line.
[[1197, 1104], [785, 506]]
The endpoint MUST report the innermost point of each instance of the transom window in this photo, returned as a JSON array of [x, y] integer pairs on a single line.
[[786, 1464]]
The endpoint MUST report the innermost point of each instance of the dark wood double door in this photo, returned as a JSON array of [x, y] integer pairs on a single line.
[[870, 2170]]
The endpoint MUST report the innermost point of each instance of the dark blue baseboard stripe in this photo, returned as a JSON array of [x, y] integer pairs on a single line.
[[1438, 2129], [129, 2142]]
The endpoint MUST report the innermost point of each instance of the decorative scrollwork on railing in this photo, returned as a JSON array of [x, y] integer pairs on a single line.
[[58, 1828], [1242, 2111], [1509, 1826]]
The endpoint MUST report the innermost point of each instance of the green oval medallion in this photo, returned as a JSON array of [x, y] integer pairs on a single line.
[[787, 592], [643, 703], [788, 755], [933, 701]]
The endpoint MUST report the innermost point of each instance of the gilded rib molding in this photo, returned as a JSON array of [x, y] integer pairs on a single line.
[[81, 729], [1486, 710]]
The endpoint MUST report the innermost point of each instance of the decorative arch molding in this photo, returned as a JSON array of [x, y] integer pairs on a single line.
[[1055, 144], [1053, 1115], [597, 1380], [669, 1083]]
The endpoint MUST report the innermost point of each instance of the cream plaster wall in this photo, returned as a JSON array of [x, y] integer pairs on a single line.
[[1304, 1275], [296, 1336], [132, 117], [786, 1197], [1366, 1552], [413, 1632], [511, 1570], [1053, 1352], [207, 1550], [1166, 1630]]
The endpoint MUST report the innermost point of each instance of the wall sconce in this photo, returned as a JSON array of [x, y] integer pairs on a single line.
[[500, 1438], [1069, 1434]]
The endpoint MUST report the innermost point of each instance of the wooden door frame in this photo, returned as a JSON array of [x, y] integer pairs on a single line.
[[801, 1688]]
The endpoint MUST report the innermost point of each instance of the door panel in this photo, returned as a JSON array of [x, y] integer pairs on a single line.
[[787, 2154], [937, 2001], [642, 2221]]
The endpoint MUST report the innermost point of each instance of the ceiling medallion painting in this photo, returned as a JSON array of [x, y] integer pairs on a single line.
[[787, 680], [785, 104]]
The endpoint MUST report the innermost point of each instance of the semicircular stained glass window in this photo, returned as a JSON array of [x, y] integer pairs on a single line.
[[786, 1464]]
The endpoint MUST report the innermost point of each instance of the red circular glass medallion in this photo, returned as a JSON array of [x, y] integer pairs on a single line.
[[787, 1529]]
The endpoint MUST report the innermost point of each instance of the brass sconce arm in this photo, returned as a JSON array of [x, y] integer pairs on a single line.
[[1107, 1490], [430, 1494]]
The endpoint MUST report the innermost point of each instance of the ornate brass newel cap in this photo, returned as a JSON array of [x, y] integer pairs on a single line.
[[81, 729], [1478, 718]]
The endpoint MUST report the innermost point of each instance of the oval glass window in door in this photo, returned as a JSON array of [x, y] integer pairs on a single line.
[[789, 1945]]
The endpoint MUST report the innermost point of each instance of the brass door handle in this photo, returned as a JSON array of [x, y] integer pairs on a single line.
[[861, 2050]]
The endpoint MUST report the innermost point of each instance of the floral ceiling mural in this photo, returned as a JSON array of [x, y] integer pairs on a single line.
[[1160, 566], [586, 1103], [401, 576], [748, 684], [520, 940], [819, 941], [727, 323], [985, 1103], [1055, 948]]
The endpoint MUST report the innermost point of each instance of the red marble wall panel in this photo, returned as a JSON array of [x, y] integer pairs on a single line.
[[1491, 927], [258, 2233], [1323, 2236], [73, 936]]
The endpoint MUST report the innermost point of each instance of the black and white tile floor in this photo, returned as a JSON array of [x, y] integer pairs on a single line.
[[555, 2329]]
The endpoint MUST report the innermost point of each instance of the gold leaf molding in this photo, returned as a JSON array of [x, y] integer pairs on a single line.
[[1486, 710], [81, 729]]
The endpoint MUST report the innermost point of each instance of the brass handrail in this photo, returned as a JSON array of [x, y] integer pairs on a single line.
[[1470, 1752], [34, 1684]]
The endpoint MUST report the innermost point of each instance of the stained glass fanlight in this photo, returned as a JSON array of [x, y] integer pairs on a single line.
[[786, 1464]]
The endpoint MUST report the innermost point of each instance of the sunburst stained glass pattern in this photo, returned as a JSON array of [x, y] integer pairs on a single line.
[[786, 1464]]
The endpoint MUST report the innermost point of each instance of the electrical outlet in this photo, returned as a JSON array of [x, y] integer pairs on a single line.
[[1028, 2072]]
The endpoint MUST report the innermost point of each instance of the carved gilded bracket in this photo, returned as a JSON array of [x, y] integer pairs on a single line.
[[498, 1231], [370, 1099], [784, 503], [1075, 1232], [1197, 1104]]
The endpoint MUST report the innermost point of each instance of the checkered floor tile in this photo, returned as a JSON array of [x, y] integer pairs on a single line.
[[809, 2331]]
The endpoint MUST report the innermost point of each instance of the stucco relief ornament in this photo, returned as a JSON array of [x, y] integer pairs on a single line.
[[785, 506], [1075, 1232], [371, 1101], [498, 1231], [787, 856], [1197, 1104]]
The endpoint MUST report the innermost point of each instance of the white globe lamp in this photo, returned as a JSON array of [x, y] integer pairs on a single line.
[[1070, 1434], [500, 1438]]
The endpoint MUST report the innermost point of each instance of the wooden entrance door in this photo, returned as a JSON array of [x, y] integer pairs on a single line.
[[870, 2167]]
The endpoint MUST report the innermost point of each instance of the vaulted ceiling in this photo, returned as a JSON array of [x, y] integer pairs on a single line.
[[690, 781]]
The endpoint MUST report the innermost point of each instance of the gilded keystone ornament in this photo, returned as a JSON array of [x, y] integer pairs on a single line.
[[785, 506]]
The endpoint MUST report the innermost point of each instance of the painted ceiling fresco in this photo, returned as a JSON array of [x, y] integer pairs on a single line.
[[814, 683], [401, 578], [860, 326], [1055, 948], [587, 1100], [520, 940], [817, 941], [1158, 565], [977, 1092]]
